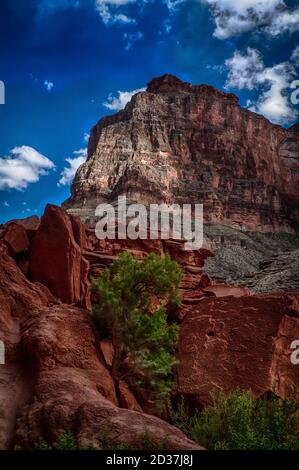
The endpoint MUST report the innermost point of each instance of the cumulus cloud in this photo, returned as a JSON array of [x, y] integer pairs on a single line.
[[117, 103], [23, 166], [235, 17], [74, 163], [48, 85], [247, 71], [285, 22]]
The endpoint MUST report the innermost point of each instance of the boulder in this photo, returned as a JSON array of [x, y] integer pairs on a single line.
[[56, 258], [16, 239], [238, 342]]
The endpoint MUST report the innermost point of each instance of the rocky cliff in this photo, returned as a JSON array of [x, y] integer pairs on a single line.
[[177, 142]]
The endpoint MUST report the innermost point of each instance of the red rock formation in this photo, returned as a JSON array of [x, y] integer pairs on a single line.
[[223, 290], [17, 297], [56, 257], [16, 238], [189, 144], [101, 253], [54, 378], [228, 343], [127, 398]]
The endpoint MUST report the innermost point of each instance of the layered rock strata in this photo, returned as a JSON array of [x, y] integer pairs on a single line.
[[181, 143]]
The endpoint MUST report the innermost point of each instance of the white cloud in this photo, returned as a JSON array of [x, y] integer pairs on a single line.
[[23, 166], [110, 13], [69, 172], [173, 4], [113, 11], [247, 71], [285, 22], [86, 137], [131, 39], [234, 17], [295, 56], [48, 85], [117, 103]]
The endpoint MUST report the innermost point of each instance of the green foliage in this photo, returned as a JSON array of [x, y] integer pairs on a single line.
[[66, 441], [238, 421], [180, 418], [146, 442], [131, 310]]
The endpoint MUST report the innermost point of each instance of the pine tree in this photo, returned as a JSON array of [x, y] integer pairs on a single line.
[[131, 310]]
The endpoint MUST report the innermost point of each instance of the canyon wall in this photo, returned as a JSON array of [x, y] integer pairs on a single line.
[[181, 143]]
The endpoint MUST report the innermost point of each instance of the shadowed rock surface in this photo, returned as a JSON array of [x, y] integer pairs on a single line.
[[264, 262]]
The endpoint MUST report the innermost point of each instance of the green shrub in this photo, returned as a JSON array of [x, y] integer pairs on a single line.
[[66, 441], [131, 311], [238, 421]]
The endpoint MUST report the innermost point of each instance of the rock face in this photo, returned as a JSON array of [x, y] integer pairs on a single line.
[[54, 378], [17, 297], [56, 257], [263, 262], [245, 342], [101, 253], [193, 144]]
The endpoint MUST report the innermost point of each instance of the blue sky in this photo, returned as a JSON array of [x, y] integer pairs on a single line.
[[64, 63]]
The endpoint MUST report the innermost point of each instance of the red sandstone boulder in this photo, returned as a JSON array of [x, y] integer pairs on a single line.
[[29, 223], [56, 258], [127, 398], [16, 239], [228, 343], [18, 297]]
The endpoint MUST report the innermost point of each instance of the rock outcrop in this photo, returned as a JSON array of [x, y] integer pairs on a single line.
[[54, 378], [56, 257], [193, 144], [101, 253], [238, 342]]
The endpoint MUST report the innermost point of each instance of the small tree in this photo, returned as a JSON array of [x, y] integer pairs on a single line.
[[131, 311]]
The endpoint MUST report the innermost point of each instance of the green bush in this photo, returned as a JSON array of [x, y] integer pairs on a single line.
[[66, 441], [238, 421], [131, 311]]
